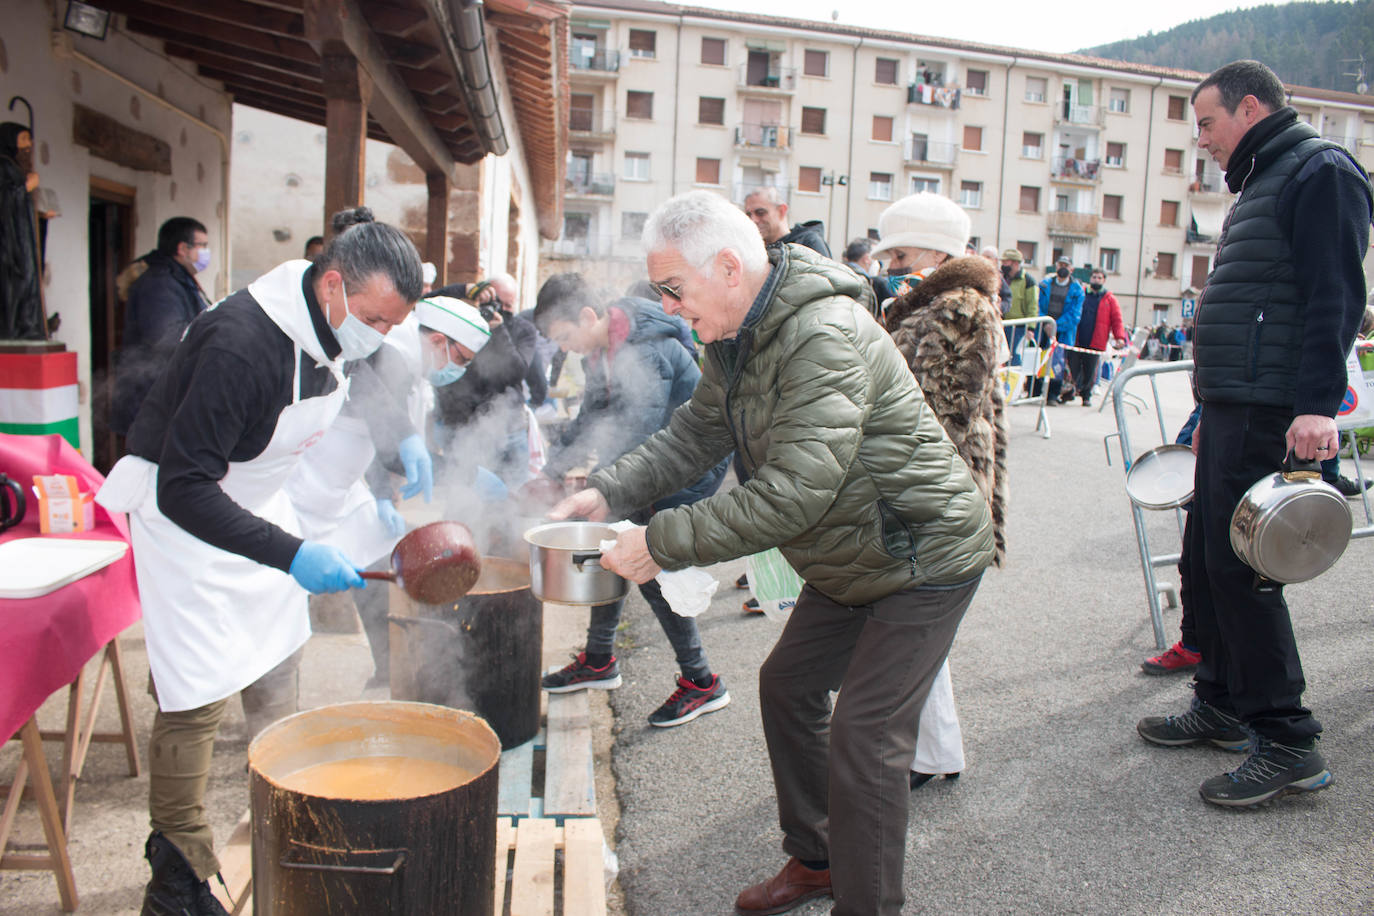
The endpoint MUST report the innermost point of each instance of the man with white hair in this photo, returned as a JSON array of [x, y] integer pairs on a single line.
[[768, 210], [852, 477]]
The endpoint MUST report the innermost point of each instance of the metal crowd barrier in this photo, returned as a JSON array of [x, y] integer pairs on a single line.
[[1042, 420]]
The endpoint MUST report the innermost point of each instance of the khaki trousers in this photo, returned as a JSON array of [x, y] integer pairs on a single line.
[[180, 752], [841, 778]]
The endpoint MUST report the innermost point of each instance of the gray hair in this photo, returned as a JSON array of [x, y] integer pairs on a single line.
[[768, 192], [362, 248], [699, 225]]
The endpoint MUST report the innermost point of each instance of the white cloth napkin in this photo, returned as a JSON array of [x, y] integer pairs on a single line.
[[687, 591]]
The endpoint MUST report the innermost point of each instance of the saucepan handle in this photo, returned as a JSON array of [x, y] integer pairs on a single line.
[[1295, 468], [388, 575], [580, 558]]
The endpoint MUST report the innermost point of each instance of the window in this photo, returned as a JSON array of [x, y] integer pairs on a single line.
[[809, 178], [643, 42], [710, 111], [708, 171], [813, 120], [1030, 199], [1116, 154], [885, 71], [879, 185], [1161, 310], [639, 104], [1201, 268], [973, 138], [816, 63], [971, 194], [976, 82], [1036, 87], [1109, 259], [576, 225], [582, 111], [1164, 268], [1119, 100], [882, 128], [632, 225], [1062, 203], [1032, 145], [1028, 250], [1111, 206], [1168, 213], [1173, 161], [921, 183], [713, 51], [637, 166], [1178, 108]]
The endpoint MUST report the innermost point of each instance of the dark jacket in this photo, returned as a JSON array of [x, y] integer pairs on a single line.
[[632, 389], [852, 476], [1285, 296], [21, 302], [161, 304], [810, 233], [1066, 322]]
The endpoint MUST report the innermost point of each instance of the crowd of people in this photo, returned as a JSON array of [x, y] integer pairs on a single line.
[[862, 403]]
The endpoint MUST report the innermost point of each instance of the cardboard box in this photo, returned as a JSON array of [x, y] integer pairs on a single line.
[[62, 505]]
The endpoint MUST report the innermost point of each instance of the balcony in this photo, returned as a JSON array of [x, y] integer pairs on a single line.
[[603, 62], [931, 154], [778, 79], [586, 246], [1072, 170], [591, 122], [932, 95], [1208, 184], [598, 185], [1066, 222], [763, 137], [1086, 115]]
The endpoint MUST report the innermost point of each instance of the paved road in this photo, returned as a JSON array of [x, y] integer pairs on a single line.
[[1062, 809]]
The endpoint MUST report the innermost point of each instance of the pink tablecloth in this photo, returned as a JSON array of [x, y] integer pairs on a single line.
[[45, 641]]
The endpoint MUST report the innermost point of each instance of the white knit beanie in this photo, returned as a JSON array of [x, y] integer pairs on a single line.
[[924, 220]]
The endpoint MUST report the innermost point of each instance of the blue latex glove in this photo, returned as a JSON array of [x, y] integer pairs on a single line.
[[320, 568], [419, 467], [395, 525], [490, 487]]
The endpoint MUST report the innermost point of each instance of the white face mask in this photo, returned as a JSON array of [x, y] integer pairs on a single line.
[[357, 339]]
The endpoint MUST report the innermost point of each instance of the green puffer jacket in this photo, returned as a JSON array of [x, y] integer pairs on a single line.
[[852, 475]]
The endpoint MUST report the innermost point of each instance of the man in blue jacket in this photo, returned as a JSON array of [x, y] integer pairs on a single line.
[[1275, 322], [1061, 297], [162, 302], [638, 372]]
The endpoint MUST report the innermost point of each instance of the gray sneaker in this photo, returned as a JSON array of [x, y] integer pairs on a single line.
[[1272, 770], [1201, 723]]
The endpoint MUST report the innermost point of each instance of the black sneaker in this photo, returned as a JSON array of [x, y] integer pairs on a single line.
[[582, 676], [174, 889], [1201, 723], [1272, 770], [742, 581], [1350, 488], [690, 701]]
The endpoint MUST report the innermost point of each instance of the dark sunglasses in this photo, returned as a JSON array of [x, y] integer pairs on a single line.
[[661, 290]]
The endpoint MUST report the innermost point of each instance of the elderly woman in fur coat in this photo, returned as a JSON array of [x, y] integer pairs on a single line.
[[948, 326]]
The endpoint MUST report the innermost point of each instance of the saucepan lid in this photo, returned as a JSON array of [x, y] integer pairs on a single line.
[[1162, 478]]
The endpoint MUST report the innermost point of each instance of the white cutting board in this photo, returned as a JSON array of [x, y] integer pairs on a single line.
[[32, 567]]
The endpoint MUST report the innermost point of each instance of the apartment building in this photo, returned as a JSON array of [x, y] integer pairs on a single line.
[[1051, 154]]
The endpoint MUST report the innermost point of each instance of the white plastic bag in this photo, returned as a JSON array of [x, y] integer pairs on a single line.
[[775, 584]]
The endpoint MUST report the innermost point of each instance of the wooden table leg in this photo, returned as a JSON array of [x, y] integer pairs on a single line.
[[126, 719], [57, 860]]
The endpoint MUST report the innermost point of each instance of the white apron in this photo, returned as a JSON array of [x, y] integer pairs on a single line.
[[940, 742], [215, 621], [331, 499]]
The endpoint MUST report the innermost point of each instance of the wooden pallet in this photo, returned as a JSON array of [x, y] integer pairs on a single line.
[[534, 880], [568, 787]]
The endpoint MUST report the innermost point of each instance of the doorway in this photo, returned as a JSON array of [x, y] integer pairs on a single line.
[[111, 249]]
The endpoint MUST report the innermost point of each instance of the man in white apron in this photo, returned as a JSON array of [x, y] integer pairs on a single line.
[[223, 572], [433, 346]]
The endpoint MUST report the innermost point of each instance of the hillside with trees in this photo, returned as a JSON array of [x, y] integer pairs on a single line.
[[1308, 44]]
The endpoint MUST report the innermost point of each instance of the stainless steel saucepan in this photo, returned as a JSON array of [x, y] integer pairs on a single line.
[[1290, 526], [565, 564]]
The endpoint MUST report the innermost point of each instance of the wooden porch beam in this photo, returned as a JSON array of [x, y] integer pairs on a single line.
[[240, 13], [347, 89], [340, 24], [224, 33], [436, 226]]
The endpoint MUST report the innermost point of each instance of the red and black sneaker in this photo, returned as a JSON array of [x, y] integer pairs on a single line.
[[690, 701], [582, 676], [1176, 660]]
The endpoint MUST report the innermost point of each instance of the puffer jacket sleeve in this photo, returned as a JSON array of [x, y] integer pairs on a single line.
[[798, 478], [1066, 328]]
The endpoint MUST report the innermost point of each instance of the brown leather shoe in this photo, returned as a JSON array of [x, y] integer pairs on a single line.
[[786, 890]]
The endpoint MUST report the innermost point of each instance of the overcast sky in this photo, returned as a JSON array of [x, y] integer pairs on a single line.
[[1012, 23]]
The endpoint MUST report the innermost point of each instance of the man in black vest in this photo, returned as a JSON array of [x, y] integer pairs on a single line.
[[1276, 320]]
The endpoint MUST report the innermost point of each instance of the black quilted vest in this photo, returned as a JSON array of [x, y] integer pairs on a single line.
[[1249, 322]]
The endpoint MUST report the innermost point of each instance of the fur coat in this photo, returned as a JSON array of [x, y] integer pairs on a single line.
[[949, 330]]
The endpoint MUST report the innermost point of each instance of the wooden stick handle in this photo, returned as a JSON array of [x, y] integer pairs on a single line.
[[389, 575]]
